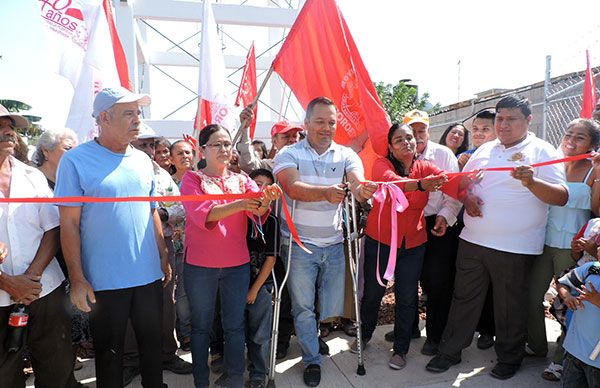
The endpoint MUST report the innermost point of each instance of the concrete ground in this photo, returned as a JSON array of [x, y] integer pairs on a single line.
[[339, 369]]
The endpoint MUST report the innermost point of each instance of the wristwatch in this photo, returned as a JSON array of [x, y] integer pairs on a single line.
[[419, 187]]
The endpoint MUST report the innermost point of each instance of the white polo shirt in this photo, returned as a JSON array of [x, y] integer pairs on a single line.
[[439, 203], [514, 220], [22, 226]]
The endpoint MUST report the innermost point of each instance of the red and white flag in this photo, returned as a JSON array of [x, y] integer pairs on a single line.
[[84, 48], [213, 107], [247, 91], [319, 58], [104, 65], [589, 91]]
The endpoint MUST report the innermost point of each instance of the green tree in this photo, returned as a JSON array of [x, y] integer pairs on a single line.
[[401, 98], [34, 130]]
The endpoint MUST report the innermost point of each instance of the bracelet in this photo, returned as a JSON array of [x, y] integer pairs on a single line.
[[419, 187]]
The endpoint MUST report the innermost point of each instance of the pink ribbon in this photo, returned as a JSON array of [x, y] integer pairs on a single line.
[[398, 203]]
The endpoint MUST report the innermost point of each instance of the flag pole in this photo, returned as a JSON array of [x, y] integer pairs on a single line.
[[245, 124]]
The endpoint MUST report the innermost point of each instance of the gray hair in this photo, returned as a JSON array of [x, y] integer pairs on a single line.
[[48, 141]]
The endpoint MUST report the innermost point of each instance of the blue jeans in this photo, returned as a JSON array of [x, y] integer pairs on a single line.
[[201, 285], [577, 374], [182, 305], [409, 263], [259, 317], [325, 271]]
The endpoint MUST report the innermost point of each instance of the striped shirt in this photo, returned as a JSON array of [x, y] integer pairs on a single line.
[[318, 223]]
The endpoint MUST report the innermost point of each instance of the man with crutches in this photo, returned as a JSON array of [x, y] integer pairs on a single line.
[[312, 172]]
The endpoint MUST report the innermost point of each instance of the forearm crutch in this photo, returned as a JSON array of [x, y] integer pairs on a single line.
[[352, 238], [278, 289]]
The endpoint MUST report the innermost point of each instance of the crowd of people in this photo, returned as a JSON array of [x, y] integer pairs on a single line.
[[148, 277]]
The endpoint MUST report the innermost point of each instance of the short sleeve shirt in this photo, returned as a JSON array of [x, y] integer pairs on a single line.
[[583, 333], [318, 223], [22, 226], [514, 220], [118, 243]]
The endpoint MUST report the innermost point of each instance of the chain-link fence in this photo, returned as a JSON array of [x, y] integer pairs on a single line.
[[564, 101], [563, 98]]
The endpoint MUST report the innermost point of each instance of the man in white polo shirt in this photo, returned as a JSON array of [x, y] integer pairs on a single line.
[[316, 172], [505, 220]]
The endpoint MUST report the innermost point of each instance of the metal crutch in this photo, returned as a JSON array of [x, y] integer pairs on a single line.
[[277, 307], [352, 237]]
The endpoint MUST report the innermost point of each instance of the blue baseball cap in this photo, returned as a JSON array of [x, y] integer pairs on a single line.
[[108, 97]]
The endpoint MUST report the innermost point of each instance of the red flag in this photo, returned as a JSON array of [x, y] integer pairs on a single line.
[[247, 91], [319, 58], [119, 53], [589, 91]]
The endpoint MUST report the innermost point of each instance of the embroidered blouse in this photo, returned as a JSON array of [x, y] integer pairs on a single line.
[[215, 244]]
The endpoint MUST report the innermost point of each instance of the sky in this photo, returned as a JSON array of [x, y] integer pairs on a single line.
[[499, 44]]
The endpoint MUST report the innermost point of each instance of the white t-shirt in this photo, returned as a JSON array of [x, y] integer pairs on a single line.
[[22, 226], [440, 203], [514, 220]]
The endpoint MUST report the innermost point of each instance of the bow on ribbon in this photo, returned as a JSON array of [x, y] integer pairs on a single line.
[[398, 203]]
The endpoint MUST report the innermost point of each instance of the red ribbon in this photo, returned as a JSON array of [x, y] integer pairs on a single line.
[[166, 198], [399, 203]]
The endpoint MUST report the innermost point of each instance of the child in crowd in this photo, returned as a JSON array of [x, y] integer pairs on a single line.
[[583, 250], [582, 343], [263, 245]]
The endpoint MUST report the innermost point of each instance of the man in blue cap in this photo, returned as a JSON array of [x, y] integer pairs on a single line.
[[115, 252]]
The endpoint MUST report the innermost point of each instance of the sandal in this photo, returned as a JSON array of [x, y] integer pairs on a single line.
[[553, 372]]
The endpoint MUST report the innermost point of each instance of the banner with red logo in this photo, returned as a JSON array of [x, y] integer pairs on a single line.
[[213, 106], [85, 50], [247, 91], [319, 58], [589, 91]]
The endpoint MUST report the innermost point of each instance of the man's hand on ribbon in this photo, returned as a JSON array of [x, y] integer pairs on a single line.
[[335, 193], [433, 182], [524, 174], [366, 190]]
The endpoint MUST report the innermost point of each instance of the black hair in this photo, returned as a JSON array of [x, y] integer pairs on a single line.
[[465, 144], [207, 132], [486, 114], [515, 101], [178, 142], [262, 172], [316, 101], [263, 147], [398, 165], [162, 141], [592, 127]]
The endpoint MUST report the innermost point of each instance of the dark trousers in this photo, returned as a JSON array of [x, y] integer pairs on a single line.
[[485, 326], [476, 268], [578, 374], [48, 337], [108, 322], [406, 275], [131, 355], [437, 277]]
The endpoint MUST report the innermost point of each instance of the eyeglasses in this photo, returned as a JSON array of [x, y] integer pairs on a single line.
[[218, 146]]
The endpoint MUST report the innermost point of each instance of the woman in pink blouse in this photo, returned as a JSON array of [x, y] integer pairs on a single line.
[[215, 252]]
